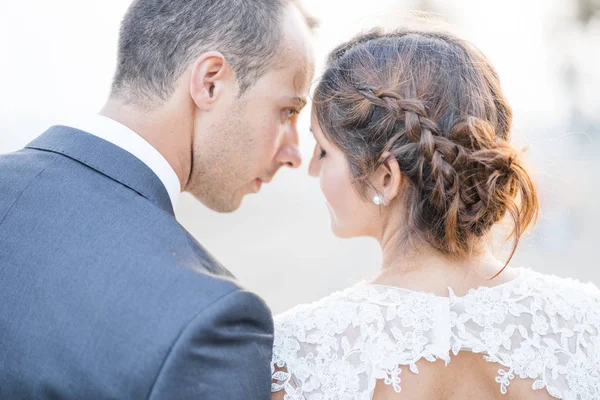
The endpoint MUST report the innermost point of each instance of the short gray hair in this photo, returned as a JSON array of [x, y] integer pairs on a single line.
[[159, 39]]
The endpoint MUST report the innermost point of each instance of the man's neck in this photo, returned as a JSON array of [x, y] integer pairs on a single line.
[[162, 129]]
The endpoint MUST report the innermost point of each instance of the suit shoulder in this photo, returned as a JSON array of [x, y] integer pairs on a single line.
[[19, 169]]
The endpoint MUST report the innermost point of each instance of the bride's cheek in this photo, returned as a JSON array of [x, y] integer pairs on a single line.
[[333, 187], [327, 186], [323, 181]]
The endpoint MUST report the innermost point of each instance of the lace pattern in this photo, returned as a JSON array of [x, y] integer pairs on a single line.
[[538, 327]]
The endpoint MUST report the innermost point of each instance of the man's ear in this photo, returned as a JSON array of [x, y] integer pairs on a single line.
[[387, 179], [210, 75]]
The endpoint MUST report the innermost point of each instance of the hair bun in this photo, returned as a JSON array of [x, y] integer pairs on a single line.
[[449, 132]]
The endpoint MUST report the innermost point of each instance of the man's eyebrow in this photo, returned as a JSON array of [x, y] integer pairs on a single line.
[[300, 101]]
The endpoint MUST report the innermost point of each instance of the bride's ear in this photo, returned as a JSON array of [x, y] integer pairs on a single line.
[[387, 179]]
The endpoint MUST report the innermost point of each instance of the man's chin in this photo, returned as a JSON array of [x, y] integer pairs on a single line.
[[223, 206], [226, 208]]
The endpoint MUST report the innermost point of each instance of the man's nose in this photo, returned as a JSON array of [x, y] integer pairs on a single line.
[[289, 156]]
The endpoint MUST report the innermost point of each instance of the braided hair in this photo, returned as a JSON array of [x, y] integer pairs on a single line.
[[434, 102]]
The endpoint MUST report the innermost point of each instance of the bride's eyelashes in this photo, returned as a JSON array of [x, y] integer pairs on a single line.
[[322, 153], [318, 148]]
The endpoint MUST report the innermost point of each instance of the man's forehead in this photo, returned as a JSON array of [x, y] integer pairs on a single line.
[[294, 86], [296, 45], [303, 80]]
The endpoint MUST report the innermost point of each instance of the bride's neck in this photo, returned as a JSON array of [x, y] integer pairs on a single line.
[[425, 269]]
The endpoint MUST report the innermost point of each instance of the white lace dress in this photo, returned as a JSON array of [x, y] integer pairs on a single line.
[[537, 326]]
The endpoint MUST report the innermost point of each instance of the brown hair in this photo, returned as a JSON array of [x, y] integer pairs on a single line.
[[434, 102]]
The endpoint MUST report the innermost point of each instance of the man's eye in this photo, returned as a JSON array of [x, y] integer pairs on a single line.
[[291, 112]]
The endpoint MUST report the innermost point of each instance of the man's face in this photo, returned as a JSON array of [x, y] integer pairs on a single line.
[[250, 137]]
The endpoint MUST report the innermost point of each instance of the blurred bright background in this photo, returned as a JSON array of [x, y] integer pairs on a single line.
[[57, 60]]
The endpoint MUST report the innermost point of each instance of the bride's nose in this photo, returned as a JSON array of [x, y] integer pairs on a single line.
[[314, 168]]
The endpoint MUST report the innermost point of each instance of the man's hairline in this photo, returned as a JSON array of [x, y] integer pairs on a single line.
[[276, 63]]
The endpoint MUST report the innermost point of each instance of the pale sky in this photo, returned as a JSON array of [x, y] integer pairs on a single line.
[[58, 56]]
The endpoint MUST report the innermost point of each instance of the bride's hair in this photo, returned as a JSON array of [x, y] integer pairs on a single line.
[[433, 101]]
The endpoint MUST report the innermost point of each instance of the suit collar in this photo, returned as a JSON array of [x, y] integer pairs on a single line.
[[122, 136], [106, 158]]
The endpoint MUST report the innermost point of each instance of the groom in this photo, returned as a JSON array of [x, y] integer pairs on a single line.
[[103, 295]]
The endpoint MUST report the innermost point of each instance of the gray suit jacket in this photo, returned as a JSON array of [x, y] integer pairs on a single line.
[[104, 295]]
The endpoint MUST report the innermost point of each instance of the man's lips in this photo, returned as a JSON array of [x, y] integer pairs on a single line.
[[257, 184]]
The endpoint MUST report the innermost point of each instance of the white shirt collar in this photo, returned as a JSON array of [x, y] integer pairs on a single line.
[[123, 137]]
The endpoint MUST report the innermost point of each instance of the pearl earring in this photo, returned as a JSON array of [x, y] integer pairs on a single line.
[[377, 200]]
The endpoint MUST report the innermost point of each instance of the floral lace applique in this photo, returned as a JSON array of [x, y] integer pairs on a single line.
[[538, 327]]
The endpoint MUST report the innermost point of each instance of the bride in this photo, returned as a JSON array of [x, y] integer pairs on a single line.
[[413, 149]]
